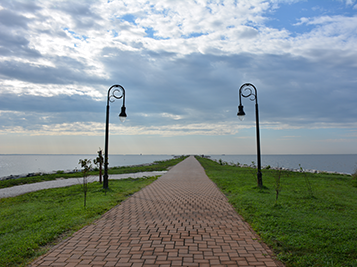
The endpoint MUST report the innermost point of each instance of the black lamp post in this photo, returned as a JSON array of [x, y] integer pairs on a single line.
[[122, 116], [247, 87]]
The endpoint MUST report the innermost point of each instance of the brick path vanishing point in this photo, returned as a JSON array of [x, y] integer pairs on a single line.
[[181, 219]]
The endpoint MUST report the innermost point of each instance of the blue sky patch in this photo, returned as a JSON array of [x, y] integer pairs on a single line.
[[75, 35], [193, 35], [115, 33], [287, 16], [150, 32], [129, 18]]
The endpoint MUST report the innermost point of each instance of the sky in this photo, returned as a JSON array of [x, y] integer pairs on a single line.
[[181, 64]]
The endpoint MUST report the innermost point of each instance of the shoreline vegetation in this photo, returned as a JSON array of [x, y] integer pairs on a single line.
[[41, 177], [252, 165], [307, 219], [32, 223], [75, 171]]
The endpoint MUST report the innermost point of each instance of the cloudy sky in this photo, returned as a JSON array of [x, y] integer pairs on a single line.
[[181, 64]]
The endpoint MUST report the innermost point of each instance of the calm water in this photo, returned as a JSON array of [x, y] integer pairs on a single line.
[[23, 164], [334, 163]]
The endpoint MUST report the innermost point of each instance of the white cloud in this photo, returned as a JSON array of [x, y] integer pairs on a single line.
[[96, 129], [47, 90], [171, 116], [176, 62], [349, 2], [193, 27]]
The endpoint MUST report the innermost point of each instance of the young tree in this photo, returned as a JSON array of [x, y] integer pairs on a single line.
[[86, 165], [99, 162]]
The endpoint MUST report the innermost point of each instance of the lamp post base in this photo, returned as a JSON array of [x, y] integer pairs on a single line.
[[105, 182], [260, 179]]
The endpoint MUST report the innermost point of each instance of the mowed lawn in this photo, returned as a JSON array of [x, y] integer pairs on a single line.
[[312, 223], [32, 223]]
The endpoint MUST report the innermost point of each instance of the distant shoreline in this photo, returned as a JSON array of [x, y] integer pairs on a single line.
[[16, 165], [26, 165], [31, 174], [48, 154]]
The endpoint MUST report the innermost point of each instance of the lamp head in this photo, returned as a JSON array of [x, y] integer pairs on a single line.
[[241, 112], [122, 115]]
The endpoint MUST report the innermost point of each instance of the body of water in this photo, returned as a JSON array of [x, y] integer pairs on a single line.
[[346, 163], [24, 164]]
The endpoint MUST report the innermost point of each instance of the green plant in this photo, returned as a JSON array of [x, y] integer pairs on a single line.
[[253, 170], [354, 178], [86, 165], [99, 162], [32, 223], [221, 162], [158, 166], [302, 231], [278, 186], [308, 185]]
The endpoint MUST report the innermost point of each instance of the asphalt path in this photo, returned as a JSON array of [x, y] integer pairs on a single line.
[[26, 188]]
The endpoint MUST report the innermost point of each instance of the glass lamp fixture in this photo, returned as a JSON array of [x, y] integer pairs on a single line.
[[241, 113], [122, 115]]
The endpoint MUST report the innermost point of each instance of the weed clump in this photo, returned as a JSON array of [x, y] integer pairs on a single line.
[[277, 185]]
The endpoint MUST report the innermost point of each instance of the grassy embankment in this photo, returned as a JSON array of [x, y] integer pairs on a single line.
[[313, 222], [32, 223], [156, 166]]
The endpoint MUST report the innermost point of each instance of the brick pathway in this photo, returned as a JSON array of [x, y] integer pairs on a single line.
[[181, 219]]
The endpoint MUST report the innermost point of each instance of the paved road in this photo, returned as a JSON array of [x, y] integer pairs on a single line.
[[181, 219], [26, 188]]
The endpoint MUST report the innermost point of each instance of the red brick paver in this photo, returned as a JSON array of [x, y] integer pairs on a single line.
[[181, 219]]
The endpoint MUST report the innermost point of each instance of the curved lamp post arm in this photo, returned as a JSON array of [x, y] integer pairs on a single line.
[[117, 93], [246, 91]]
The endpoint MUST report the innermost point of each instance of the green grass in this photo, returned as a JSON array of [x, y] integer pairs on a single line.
[[313, 223], [156, 166], [30, 222]]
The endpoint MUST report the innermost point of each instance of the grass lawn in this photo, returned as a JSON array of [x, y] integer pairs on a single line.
[[32, 223], [313, 222]]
